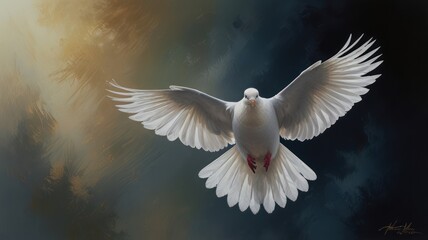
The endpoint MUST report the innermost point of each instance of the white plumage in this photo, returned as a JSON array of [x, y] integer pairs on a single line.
[[258, 169]]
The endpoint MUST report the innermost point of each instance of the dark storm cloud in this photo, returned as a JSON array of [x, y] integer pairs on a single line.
[[343, 196]]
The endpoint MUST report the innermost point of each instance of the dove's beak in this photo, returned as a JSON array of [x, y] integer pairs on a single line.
[[253, 102]]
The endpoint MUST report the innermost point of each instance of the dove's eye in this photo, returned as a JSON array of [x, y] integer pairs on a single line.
[[246, 96]]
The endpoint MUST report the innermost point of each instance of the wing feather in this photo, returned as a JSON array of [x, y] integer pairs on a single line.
[[325, 91], [197, 119]]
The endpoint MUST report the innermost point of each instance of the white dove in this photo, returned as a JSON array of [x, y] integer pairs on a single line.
[[258, 169]]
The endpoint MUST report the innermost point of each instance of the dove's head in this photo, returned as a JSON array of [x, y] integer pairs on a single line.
[[251, 96]]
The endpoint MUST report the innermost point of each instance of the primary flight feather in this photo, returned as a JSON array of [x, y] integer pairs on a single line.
[[258, 170]]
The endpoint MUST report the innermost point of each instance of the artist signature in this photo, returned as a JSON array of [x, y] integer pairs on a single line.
[[405, 229]]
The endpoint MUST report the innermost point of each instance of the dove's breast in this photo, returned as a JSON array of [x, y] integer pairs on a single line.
[[256, 130]]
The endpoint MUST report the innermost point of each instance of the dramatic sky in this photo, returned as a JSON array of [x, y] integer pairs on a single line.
[[73, 167]]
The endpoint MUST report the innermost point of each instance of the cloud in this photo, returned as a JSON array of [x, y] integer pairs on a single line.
[[332, 210], [365, 163]]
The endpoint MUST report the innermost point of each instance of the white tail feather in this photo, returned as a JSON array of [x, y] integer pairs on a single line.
[[232, 176]]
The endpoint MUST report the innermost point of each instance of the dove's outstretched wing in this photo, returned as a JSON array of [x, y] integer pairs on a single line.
[[325, 91], [197, 119]]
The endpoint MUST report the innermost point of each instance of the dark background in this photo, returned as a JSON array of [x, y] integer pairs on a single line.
[[371, 164]]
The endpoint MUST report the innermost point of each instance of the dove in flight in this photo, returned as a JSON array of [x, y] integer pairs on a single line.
[[258, 169]]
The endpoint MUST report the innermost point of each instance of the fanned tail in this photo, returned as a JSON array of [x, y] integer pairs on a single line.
[[232, 177]]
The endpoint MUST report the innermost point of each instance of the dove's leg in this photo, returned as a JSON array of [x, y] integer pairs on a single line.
[[251, 163], [267, 159]]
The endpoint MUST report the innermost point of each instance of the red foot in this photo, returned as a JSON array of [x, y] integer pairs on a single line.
[[267, 160], [251, 163]]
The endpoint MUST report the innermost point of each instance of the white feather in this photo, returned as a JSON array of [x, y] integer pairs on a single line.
[[232, 177], [180, 112], [330, 88]]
